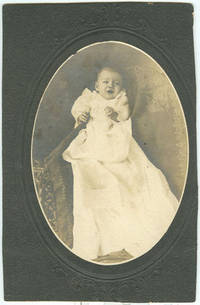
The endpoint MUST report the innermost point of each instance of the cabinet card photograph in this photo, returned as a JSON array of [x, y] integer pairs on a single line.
[[109, 153]]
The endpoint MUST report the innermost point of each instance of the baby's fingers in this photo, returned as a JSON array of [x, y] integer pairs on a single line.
[[109, 113], [83, 117]]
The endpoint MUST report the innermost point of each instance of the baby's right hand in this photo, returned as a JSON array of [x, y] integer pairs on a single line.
[[83, 117]]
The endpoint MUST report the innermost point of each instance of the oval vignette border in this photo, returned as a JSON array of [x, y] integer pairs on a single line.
[[178, 103]]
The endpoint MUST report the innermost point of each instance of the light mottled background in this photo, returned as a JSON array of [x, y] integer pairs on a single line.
[[158, 121]]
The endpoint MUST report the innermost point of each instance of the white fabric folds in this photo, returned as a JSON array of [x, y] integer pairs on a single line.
[[121, 200]]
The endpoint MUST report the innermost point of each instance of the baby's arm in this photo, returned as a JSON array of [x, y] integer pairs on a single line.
[[81, 107], [123, 111]]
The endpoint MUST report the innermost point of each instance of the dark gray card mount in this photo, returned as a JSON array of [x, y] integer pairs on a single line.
[[37, 40]]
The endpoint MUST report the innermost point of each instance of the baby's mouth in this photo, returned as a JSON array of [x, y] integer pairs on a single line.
[[110, 91]]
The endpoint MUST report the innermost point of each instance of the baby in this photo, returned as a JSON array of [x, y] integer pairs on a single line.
[[106, 112], [109, 85], [122, 202]]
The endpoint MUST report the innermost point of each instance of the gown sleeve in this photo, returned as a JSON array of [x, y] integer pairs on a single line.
[[82, 104], [122, 107]]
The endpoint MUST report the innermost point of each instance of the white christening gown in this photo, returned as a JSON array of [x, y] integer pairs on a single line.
[[121, 200]]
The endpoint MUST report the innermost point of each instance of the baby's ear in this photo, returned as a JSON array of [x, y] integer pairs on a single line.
[[96, 86]]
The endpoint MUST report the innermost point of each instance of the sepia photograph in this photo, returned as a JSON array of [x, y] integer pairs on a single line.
[[109, 153]]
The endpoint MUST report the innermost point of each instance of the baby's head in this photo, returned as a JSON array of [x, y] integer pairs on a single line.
[[108, 83]]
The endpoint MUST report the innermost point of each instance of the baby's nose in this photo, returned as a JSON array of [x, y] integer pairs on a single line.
[[110, 84]]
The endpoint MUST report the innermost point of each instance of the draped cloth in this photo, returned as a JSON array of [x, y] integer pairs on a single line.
[[121, 200]]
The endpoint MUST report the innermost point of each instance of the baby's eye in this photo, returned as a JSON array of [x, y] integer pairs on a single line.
[[117, 83], [105, 82]]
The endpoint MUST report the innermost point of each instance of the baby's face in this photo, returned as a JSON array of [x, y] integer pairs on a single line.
[[109, 83]]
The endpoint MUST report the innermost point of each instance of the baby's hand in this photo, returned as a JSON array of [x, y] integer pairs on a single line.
[[83, 117], [109, 111]]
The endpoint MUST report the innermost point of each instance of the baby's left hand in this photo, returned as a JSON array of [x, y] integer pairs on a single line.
[[109, 111]]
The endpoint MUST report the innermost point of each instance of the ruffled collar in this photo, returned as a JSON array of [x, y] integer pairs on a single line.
[[121, 95]]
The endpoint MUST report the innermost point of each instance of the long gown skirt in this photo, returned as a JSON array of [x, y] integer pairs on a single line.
[[120, 205]]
